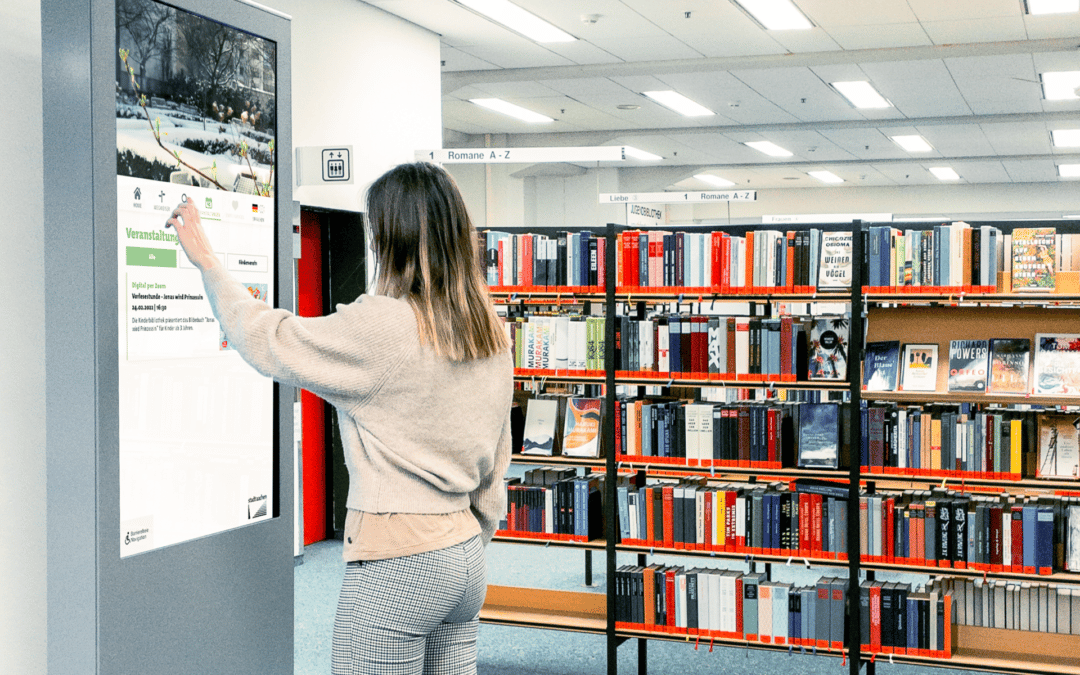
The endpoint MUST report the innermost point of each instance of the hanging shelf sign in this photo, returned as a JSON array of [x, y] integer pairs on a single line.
[[677, 197], [614, 153]]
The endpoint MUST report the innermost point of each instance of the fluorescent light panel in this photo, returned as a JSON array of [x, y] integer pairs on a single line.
[[862, 94], [769, 148], [944, 173], [506, 108], [912, 143], [713, 180], [1069, 170], [825, 176], [776, 14], [634, 153], [518, 20], [1066, 138], [1061, 85], [679, 103], [1036, 7]]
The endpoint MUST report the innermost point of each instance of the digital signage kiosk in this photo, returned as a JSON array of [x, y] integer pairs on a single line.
[[170, 528]]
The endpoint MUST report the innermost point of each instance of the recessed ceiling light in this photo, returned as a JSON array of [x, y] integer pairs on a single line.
[[1035, 7], [518, 20], [641, 154], [679, 103], [769, 148], [826, 176], [944, 173], [501, 106], [628, 106], [713, 180], [1060, 86], [1066, 138], [1069, 170], [776, 14], [862, 94], [912, 143]]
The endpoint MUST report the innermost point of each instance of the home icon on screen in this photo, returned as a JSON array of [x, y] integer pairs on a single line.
[[138, 193]]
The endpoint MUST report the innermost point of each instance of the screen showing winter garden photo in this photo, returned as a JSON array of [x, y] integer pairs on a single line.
[[195, 122]]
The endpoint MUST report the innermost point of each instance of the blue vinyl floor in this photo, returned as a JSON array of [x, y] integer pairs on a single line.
[[546, 652]]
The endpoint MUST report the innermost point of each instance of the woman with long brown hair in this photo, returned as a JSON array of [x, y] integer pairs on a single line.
[[421, 378]]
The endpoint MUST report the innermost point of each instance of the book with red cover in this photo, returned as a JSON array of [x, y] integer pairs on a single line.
[[789, 277], [815, 528], [875, 617], [730, 543], [1017, 512], [744, 437], [748, 284], [669, 516], [669, 597], [995, 538], [804, 524]]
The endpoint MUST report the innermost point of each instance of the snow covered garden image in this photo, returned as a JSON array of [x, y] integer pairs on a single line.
[[195, 100]]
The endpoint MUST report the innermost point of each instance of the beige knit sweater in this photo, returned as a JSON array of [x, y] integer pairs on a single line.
[[422, 434]]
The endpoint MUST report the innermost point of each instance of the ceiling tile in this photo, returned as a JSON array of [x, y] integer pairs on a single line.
[[1052, 26], [997, 29], [997, 84], [717, 44], [523, 55], [957, 10], [880, 36], [658, 46], [514, 90], [961, 140], [799, 92], [725, 94], [864, 143], [1031, 170], [814, 40], [979, 172], [918, 88], [1018, 139], [455, 59], [830, 13], [582, 53]]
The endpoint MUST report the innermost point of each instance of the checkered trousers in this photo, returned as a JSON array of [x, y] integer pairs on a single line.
[[414, 615]]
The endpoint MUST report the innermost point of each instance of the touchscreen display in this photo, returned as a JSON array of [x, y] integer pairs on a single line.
[[195, 121]]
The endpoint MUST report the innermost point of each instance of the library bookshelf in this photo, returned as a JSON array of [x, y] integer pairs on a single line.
[[940, 316]]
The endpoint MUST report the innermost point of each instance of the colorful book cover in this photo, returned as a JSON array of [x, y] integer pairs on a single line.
[[1009, 361], [835, 268], [259, 292], [541, 424], [581, 433], [920, 368], [1059, 446], [1057, 364], [881, 366], [828, 348], [1034, 256], [968, 364], [819, 435]]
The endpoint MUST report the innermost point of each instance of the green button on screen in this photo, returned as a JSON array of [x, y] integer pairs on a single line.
[[151, 257]]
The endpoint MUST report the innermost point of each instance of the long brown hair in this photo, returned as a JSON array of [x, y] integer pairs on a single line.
[[425, 251]]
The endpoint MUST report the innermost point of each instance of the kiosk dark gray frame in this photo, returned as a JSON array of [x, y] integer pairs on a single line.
[[220, 604]]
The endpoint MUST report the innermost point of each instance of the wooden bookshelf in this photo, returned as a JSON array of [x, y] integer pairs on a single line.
[[550, 540], [1005, 651], [556, 460], [706, 643], [669, 380], [539, 608], [659, 470]]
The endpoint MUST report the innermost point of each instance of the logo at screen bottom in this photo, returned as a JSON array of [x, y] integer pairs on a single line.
[[257, 507]]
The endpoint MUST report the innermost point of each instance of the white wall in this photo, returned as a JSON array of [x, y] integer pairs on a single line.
[[364, 78], [22, 343]]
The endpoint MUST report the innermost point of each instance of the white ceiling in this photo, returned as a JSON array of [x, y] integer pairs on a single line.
[[962, 73]]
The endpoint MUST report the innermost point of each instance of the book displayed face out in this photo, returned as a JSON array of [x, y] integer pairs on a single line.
[[828, 348], [968, 365], [881, 366], [1057, 364], [920, 368]]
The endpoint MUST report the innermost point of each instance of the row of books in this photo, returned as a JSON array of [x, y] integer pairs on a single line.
[[538, 261], [1034, 606], [554, 503], [768, 435], [563, 425], [996, 366], [801, 519], [712, 347], [897, 618], [761, 261], [557, 343], [951, 257], [993, 533], [968, 440], [724, 604]]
